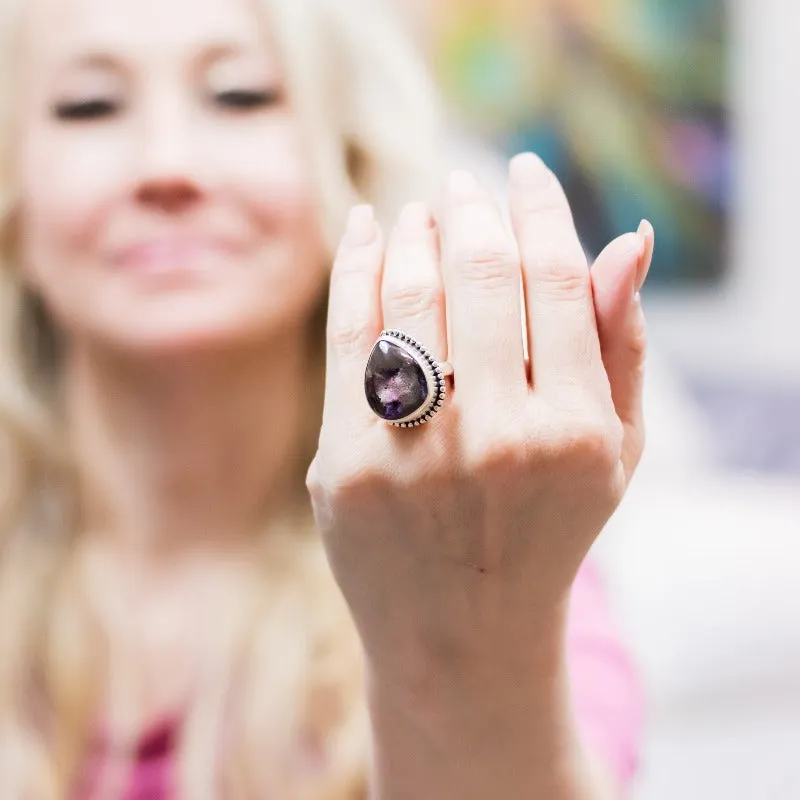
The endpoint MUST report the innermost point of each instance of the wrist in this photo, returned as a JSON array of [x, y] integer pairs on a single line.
[[531, 654], [484, 729]]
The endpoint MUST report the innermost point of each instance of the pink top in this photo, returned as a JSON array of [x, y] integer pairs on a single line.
[[606, 693]]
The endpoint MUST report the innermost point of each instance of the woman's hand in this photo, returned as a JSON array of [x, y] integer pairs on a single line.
[[456, 543]]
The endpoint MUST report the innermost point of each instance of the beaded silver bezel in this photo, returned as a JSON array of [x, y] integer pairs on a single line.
[[437, 384]]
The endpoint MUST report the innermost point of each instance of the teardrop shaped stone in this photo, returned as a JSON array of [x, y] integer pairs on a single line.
[[394, 382]]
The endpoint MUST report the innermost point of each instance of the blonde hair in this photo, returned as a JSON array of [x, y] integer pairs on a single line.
[[287, 644]]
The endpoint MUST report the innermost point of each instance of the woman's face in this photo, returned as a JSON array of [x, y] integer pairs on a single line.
[[166, 200]]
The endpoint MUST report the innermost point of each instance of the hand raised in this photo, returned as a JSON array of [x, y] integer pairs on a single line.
[[459, 539]]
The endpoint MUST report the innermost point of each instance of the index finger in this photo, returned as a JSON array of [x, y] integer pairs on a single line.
[[354, 315]]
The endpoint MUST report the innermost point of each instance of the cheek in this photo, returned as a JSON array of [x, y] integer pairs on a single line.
[[274, 173], [66, 182], [274, 179]]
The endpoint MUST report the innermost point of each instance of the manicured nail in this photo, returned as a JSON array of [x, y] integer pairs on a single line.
[[638, 311], [529, 171], [361, 227], [647, 235]]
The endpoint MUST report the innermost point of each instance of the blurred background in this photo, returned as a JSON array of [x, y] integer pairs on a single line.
[[686, 112]]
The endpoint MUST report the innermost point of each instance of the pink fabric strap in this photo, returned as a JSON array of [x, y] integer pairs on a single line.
[[607, 694]]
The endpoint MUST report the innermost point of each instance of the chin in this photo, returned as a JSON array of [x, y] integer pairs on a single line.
[[174, 329]]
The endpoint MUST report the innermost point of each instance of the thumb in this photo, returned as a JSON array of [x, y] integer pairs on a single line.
[[617, 275]]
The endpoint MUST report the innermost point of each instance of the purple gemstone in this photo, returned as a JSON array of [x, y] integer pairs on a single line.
[[394, 382]]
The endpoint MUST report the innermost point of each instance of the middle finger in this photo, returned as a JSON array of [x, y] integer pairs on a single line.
[[482, 276]]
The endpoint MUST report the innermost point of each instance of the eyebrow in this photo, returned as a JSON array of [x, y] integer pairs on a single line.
[[103, 59], [96, 60], [218, 50]]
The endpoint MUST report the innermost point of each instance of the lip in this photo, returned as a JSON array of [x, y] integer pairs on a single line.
[[170, 255]]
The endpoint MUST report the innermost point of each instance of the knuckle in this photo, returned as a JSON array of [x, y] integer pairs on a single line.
[[561, 279], [597, 443], [550, 203], [350, 261], [416, 299], [353, 265], [347, 337], [344, 477], [488, 264], [583, 439], [637, 345], [635, 444], [496, 453]]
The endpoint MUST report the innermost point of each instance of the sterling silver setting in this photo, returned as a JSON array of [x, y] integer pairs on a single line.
[[404, 384]]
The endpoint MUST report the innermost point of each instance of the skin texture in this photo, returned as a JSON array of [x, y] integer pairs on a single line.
[[171, 229]]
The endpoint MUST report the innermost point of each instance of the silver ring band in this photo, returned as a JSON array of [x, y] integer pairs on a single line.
[[404, 384]]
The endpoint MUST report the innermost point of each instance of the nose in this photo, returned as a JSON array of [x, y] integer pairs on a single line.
[[170, 194], [169, 176]]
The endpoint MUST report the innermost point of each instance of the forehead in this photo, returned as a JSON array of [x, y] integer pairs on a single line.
[[58, 30]]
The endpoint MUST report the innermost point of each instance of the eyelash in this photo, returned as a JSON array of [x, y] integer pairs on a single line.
[[244, 100], [234, 100], [89, 109]]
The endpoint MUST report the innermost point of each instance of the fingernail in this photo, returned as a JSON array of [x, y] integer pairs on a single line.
[[414, 217], [638, 310], [361, 226], [528, 170], [647, 235], [462, 183]]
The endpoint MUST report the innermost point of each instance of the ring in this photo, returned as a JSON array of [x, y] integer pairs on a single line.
[[403, 382]]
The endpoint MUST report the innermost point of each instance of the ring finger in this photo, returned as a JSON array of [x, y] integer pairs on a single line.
[[412, 296], [412, 292]]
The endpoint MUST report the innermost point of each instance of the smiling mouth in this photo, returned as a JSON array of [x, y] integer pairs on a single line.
[[172, 256]]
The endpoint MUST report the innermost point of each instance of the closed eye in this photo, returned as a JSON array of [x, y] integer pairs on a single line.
[[85, 109], [245, 100]]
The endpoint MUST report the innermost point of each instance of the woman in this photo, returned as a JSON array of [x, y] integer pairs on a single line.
[[176, 177]]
